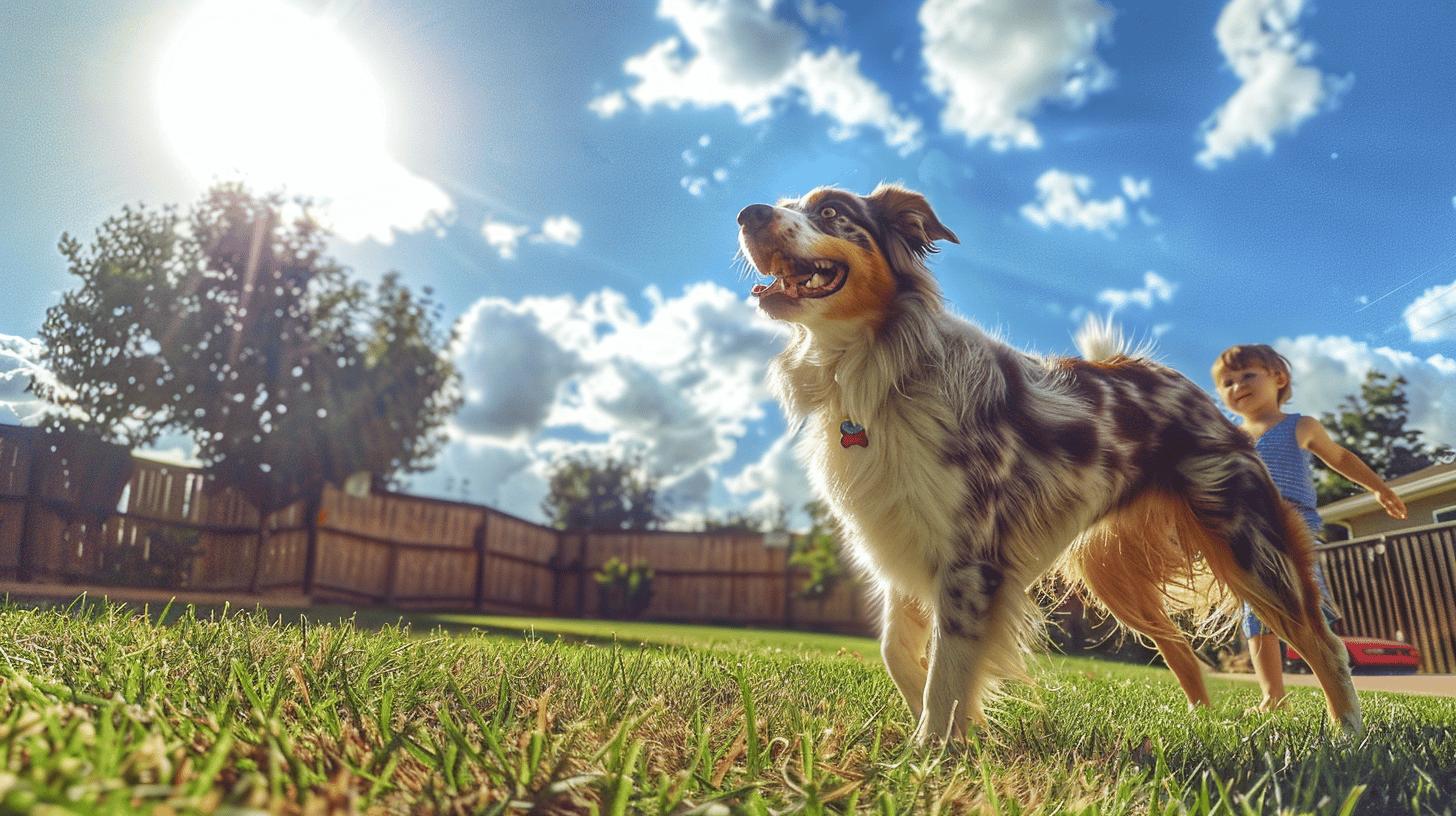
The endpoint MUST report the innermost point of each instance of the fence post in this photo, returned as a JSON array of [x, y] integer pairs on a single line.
[[579, 568], [310, 559], [258, 552], [481, 532], [393, 572], [25, 551], [789, 583]]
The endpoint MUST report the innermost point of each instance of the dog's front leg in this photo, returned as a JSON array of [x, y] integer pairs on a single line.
[[964, 612], [904, 635]]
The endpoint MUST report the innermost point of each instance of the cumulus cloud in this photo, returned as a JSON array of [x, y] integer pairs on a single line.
[[1060, 200], [19, 363], [826, 17], [1155, 289], [776, 480], [511, 369], [1278, 90], [554, 375], [1136, 189], [560, 229], [1432, 316], [505, 237], [1328, 368], [608, 105], [995, 62], [737, 54]]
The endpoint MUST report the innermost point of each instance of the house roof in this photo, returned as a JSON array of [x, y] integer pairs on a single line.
[[1410, 486]]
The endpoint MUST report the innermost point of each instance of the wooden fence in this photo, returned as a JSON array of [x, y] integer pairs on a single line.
[[1399, 586], [414, 553], [404, 551]]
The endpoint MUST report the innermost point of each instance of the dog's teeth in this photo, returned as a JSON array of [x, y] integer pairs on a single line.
[[816, 281], [822, 264]]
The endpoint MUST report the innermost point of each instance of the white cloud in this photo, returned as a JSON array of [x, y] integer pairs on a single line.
[[1060, 201], [777, 479], [608, 105], [560, 229], [826, 17], [1326, 369], [736, 53], [1432, 315], [996, 61], [1155, 289], [1279, 91], [503, 236], [1135, 189], [680, 385], [19, 362], [511, 370], [695, 185], [832, 84], [720, 174]]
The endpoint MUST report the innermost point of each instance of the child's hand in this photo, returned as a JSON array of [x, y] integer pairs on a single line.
[[1394, 507]]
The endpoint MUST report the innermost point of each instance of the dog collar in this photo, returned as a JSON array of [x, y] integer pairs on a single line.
[[851, 434]]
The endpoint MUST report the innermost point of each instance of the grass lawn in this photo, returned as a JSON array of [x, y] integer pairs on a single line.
[[105, 710]]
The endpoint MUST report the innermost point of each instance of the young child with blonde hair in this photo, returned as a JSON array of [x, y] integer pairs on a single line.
[[1255, 381]]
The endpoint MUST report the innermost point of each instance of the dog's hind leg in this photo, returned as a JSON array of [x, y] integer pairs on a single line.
[[1259, 547], [1128, 561], [904, 636]]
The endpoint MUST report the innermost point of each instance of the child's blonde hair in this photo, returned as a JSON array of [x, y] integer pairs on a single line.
[[1257, 354]]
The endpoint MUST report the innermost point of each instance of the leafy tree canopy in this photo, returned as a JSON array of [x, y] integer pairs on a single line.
[[748, 521], [233, 325], [601, 493], [1372, 424]]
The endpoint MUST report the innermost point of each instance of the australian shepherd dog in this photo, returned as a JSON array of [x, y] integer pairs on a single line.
[[961, 470]]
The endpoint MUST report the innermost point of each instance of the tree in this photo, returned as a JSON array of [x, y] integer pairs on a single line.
[[607, 493], [233, 325], [818, 552], [748, 521], [1372, 424]]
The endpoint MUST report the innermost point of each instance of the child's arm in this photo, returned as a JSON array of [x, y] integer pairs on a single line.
[[1313, 438]]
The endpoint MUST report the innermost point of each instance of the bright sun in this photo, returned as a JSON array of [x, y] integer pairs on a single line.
[[256, 89]]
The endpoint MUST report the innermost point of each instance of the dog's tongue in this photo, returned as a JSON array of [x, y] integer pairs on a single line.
[[777, 287]]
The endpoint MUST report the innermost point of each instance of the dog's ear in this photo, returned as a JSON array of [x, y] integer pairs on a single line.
[[907, 214]]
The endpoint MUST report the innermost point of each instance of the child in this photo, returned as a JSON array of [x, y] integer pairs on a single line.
[[1254, 382]]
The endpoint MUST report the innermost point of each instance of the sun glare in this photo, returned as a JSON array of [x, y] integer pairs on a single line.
[[259, 90]]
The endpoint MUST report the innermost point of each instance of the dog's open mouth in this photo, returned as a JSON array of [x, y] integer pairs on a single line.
[[796, 279]]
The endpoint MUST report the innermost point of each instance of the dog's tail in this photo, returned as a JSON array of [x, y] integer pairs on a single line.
[[1100, 338]]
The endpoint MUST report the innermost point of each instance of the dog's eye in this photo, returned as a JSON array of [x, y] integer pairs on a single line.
[[828, 212]]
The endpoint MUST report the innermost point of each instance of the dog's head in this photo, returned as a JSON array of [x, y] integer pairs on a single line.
[[838, 257]]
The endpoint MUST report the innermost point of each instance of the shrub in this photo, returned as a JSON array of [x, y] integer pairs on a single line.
[[165, 562], [624, 591]]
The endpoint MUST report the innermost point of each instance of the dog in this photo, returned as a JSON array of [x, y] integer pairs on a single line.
[[961, 470]]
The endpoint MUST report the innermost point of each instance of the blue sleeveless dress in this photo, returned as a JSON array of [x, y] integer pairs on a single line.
[[1288, 464]]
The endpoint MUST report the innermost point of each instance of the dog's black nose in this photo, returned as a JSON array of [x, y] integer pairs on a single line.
[[755, 215]]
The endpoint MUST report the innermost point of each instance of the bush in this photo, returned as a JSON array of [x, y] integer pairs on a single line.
[[819, 554], [167, 562], [624, 591]]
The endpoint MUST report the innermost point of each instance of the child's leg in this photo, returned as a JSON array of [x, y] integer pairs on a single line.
[[1267, 658], [1268, 662]]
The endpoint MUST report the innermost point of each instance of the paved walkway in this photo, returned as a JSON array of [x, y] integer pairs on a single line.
[[1435, 685]]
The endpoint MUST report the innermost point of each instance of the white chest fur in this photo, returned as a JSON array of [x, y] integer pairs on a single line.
[[896, 498]]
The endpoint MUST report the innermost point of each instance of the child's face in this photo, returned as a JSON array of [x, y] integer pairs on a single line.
[[1250, 391]]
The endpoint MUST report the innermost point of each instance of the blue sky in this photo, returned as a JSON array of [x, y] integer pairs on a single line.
[[566, 176]]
